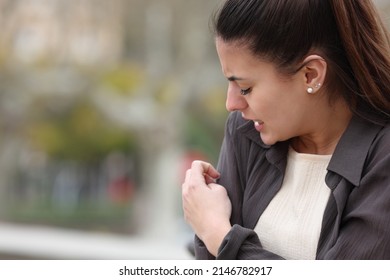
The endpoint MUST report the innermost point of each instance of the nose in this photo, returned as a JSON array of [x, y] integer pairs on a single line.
[[234, 100]]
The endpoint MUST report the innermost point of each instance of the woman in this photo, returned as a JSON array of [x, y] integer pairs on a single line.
[[304, 166]]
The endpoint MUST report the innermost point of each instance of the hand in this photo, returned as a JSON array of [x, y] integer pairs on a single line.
[[206, 205]]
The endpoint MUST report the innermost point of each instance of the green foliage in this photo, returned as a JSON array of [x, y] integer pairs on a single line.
[[78, 133], [203, 126], [87, 216], [123, 79]]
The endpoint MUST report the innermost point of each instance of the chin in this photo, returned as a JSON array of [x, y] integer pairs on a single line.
[[268, 140]]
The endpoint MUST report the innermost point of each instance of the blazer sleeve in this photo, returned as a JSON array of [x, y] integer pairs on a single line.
[[230, 179], [227, 166], [240, 242]]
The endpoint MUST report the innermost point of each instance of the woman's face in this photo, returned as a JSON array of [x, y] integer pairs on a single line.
[[278, 105]]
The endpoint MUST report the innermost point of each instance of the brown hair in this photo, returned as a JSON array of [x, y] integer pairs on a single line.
[[349, 34]]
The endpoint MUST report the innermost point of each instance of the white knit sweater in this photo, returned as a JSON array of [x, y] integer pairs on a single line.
[[291, 224]]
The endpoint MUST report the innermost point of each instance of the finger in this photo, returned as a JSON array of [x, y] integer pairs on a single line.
[[200, 173], [209, 180], [214, 186], [205, 168], [188, 175]]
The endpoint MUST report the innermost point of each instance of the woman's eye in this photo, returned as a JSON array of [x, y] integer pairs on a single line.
[[245, 91]]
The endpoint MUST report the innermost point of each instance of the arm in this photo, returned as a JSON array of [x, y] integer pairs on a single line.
[[239, 242], [206, 205]]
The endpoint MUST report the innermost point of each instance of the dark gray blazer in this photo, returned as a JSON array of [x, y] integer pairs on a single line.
[[356, 221]]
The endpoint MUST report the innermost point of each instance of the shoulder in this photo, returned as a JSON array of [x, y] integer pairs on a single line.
[[381, 143], [378, 158], [360, 148], [379, 152]]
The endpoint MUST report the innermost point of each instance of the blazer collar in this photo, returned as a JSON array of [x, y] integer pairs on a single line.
[[276, 154], [350, 153], [248, 129]]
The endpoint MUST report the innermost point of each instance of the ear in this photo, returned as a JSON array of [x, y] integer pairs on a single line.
[[314, 71]]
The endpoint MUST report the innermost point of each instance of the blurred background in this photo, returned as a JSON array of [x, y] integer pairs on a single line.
[[103, 106]]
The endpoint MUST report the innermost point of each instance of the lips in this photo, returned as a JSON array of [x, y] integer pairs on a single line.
[[258, 125]]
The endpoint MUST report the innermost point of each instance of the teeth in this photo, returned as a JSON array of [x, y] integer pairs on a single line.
[[256, 123]]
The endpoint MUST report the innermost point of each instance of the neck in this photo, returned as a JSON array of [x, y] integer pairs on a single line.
[[326, 132]]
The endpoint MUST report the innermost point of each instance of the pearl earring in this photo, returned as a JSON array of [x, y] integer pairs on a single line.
[[317, 85], [310, 90]]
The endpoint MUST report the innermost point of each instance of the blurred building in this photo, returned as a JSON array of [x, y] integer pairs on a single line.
[[69, 68], [82, 31], [147, 68]]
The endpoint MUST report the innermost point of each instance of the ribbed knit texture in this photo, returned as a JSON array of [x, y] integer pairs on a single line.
[[291, 224]]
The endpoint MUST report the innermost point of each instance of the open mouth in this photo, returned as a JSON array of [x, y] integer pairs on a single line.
[[258, 125]]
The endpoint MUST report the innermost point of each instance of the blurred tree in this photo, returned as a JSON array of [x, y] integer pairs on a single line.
[[80, 133], [123, 79]]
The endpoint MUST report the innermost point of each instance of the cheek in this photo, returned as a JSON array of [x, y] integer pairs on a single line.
[[288, 123], [276, 102], [282, 120], [286, 106], [271, 110]]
